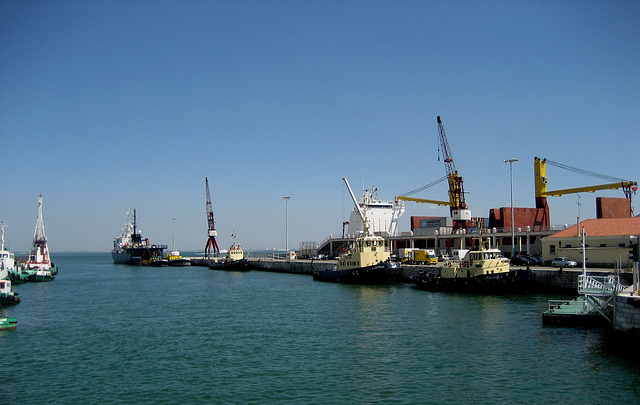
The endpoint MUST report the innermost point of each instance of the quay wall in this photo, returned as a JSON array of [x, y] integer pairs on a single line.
[[550, 279], [291, 266], [566, 280], [627, 313]]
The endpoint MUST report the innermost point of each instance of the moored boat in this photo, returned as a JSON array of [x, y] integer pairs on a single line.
[[20, 275], [7, 259], [39, 258], [174, 258], [156, 262], [41, 275], [8, 323], [130, 248], [233, 260], [367, 262], [482, 270], [7, 296]]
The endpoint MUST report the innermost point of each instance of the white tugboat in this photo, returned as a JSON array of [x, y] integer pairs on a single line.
[[7, 265], [9, 269], [39, 260], [7, 260], [367, 262]]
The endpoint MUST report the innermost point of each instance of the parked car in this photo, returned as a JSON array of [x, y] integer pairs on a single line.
[[536, 261], [520, 261], [563, 262]]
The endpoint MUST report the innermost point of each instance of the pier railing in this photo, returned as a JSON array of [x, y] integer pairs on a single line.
[[568, 307], [599, 284]]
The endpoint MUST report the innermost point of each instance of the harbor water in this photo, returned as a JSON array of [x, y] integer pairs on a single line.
[[114, 334]]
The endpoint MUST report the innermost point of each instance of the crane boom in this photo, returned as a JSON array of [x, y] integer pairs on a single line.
[[541, 180], [423, 200], [456, 188], [446, 151], [590, 189], [363, 217], [211, 229]]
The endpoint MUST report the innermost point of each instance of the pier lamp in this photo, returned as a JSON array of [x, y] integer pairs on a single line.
[[286, 199], [513, 230], [173, 219]]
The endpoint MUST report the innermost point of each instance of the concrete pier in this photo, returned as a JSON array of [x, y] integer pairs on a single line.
[[291, 266], [551, 279], [627, 312]]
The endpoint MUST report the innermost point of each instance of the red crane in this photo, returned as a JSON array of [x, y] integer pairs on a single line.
[[211, 231]]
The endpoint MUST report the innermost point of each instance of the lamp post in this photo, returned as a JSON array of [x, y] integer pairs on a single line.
[[286, 199], [173, 219], [513, 231]]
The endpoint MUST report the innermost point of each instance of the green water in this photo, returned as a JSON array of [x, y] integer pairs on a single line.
[[104, 333]]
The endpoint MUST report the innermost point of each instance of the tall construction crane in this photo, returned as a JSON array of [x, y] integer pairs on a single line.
[[211, 231], [458, 207]]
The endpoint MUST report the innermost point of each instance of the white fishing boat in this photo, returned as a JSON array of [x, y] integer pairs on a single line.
[[39, 259]]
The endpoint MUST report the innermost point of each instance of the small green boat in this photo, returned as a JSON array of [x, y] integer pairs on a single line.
[[8, 323]]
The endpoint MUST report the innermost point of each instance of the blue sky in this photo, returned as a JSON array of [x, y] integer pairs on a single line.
[[113, 105]]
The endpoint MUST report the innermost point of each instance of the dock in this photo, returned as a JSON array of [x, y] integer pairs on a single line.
[[550, 279]]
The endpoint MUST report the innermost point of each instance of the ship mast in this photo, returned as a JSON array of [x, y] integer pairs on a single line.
[[39, 249], [2, 248]]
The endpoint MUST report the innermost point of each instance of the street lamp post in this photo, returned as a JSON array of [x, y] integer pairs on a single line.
[[513, 231], [173, 219], [286, 199]]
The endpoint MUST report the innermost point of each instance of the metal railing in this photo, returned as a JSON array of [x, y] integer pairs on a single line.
[[605, 284], [574, 307]]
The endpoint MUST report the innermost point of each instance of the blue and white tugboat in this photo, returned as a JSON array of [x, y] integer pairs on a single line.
[[367, 262], [130, 248]]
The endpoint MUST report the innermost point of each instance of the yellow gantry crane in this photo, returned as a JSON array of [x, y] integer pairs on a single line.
[[540, 172]]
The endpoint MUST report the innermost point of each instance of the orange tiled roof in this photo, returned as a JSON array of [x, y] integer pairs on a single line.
[[604, 227]]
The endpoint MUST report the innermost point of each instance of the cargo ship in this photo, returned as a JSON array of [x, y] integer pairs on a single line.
[[130, 248], [381, 217]]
